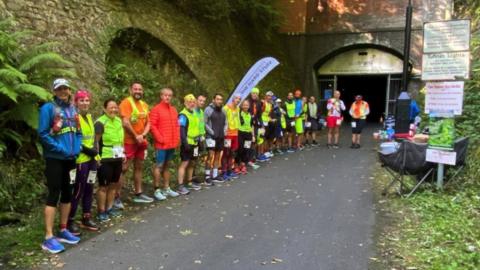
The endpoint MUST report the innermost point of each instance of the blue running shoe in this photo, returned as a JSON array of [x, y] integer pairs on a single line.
[[226, 177], [114, 213], [232, 175], [66, 236], [262, 158], [103, 217], [52, 245]]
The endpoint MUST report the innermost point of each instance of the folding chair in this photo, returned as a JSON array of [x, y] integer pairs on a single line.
[[409, 159]]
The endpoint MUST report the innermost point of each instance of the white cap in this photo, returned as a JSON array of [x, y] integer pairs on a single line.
[[278, 100], [269, 93], [60, 82]]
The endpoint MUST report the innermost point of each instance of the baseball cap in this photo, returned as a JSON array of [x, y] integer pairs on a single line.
[[255, 90], [269, 93], [81, 94], [60, 82], [278, 100]]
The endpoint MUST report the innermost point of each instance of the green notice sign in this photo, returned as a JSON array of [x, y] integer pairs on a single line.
[[442, 131]]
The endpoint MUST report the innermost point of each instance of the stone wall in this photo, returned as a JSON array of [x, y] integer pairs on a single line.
[[217, 55]]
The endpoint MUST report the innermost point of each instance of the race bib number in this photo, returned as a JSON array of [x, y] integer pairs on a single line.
[[118, 152], [292, 123], [261, 131], [195, 151], [354, 124], [210, 143], [92, 177], [73, 174], [247, 144], [228, 143], [308, 124]]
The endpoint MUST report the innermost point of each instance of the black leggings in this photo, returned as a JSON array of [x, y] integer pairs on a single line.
[[57, 172], [244, 154]]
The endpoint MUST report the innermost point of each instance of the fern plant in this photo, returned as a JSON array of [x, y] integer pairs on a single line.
[[26, 72]]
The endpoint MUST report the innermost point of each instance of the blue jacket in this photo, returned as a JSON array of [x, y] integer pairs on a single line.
[[65, 144]]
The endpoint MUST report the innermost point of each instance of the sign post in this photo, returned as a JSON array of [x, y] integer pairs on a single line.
[[446, 63]]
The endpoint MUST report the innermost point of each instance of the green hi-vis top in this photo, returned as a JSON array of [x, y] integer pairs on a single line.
[[201, 121], [112, 135], [88, 137], [135, 112], [266, 112], [290, 106], [245, 122], [193, 126]]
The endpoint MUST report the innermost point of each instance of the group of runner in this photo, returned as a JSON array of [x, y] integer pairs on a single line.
[[225, 138]]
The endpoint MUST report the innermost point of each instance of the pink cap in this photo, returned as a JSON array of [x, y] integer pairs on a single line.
[[81, 94]]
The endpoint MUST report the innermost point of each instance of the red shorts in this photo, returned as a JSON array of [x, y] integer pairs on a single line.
[[136, 151], [234, 142], [332, 121]]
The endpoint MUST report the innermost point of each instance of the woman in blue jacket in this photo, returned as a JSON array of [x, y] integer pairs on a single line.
[[60, 135]]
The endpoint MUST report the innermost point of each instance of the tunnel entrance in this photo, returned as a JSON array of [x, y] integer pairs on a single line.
[[371, 87]]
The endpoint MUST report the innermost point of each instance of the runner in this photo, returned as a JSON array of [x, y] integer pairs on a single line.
[[86, 167], [299, 118], [359, 111], [215, 125], [289, 108], [280, 126], [312, 124], [166, 137], [61, 140], [109, 138], [199, 113], [189, 137], [134, 113], [231, 139], [246, 136], [256, 112], [335, 106], [268, 122]]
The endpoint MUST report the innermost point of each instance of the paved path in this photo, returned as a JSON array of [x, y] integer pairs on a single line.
[[307, 210]]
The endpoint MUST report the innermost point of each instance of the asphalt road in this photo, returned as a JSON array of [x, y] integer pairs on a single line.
[[307, 210]]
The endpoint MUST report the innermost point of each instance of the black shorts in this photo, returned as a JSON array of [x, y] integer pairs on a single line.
[[270, 131], [109, 171], [314, 126], [359, 125], [187, 155], [289, 128], [219, 143]]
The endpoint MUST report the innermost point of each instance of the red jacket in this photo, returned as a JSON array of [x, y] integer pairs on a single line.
[[164, 126]]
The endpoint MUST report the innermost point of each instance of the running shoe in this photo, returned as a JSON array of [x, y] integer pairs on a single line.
[[182, 190], [103, 217], [301, 147], [232, 175], [253, 165], [314, 143], [114, 213], [218, 179], [353, 146], [73, 228], [226, 177], [158, 195], [244, 170], [168, 192], [117, 203], [65, 236], [262, 158], [268, 154], [142, 198], [237, 170], [208, 182], [290, 150], [329, 145], [195, 186], [336, 146], [52, 245], [88, 224]]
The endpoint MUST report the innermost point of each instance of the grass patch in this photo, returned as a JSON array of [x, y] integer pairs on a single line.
[[430, 230]]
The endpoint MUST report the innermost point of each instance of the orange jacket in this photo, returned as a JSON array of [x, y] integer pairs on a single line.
[[164, 126]]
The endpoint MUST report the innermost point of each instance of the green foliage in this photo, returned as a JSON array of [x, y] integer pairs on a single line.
[[136, 56], [25, 73]]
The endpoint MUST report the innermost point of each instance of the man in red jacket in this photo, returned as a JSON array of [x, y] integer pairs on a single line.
[[166, 135]]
